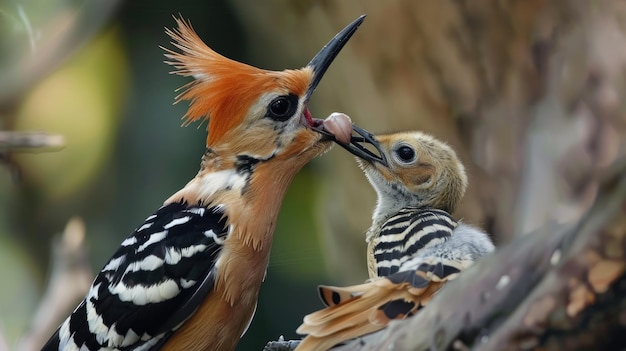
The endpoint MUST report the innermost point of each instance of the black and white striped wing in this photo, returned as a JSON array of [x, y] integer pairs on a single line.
[[151, 285], [432, 267], [408, 232]]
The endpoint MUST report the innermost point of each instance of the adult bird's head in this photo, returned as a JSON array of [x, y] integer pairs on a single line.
[[410, 169], [254, 116]]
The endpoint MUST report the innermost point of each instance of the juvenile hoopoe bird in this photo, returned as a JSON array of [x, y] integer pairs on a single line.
[[414, 245], [188, 277]]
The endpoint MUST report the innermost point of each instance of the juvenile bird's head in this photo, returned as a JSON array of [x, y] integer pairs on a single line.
[[256, 118], [412, 169]]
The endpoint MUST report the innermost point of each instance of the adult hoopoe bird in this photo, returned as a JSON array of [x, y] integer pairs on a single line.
[[188, 277], [414, 245]]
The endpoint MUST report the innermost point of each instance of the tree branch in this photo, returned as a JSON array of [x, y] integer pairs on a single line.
[[30, 141], [69, 281]]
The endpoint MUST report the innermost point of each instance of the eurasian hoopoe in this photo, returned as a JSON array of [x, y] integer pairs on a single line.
[[189, 276], [414, 245]]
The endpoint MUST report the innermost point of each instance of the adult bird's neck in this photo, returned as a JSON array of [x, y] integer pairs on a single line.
[[238, 185], [241, 192]]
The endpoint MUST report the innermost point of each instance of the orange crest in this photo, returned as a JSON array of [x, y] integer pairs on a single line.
[[223, 90]]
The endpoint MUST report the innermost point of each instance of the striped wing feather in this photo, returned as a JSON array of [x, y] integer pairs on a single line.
[[408, 232], [151, 285]]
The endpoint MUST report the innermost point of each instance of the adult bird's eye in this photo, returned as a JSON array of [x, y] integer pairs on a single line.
[[280, 106], [283, 107], [405, 153]]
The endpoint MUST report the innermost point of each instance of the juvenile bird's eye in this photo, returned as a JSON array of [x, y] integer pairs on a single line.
[[283, 107], [405, 153]]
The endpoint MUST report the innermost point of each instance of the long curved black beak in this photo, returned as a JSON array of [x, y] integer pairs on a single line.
[[361, 151], [325, 57]]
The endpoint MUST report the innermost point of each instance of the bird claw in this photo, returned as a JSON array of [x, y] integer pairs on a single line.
[[282, 345]]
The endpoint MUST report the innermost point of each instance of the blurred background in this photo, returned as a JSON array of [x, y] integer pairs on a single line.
[[528, 92]]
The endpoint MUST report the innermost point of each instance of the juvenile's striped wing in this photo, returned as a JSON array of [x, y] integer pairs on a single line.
[[406, 233], [152, 284]]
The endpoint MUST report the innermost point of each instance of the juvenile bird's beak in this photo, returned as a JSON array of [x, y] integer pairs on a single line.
[[363, 152], [325, 57]]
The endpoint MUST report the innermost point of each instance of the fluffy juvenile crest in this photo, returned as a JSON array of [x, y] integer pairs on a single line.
[[223, 89]]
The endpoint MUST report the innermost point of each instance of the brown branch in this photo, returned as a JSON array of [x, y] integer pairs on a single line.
[[69, 281], [30, 141]]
